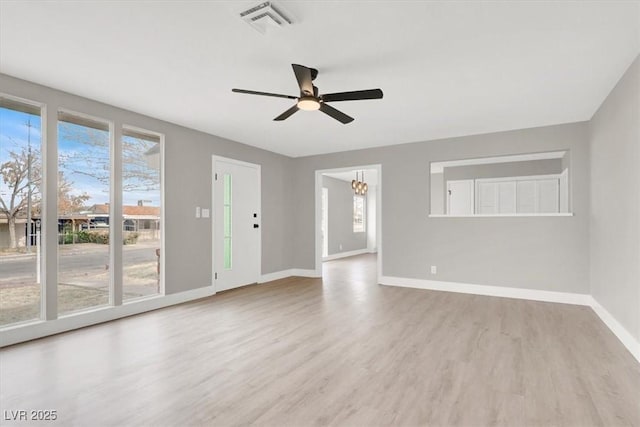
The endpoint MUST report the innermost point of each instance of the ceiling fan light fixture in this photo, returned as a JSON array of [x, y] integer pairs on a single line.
[[308, 103]]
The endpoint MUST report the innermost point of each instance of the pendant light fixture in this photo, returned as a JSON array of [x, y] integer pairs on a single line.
[[360, 187]]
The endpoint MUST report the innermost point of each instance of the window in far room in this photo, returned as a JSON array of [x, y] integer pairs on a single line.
[[358, 214]]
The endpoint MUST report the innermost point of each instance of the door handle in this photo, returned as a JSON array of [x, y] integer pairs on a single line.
[[256, 226]]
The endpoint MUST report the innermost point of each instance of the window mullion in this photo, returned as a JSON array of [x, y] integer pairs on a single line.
[[115, 214], [49, 243]]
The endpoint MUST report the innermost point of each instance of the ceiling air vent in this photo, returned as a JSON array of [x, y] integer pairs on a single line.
[[265, 15]]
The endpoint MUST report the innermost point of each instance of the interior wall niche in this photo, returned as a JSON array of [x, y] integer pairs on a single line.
[[535, 184]]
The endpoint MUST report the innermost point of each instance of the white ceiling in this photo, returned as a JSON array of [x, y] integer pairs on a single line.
[[446, 68]]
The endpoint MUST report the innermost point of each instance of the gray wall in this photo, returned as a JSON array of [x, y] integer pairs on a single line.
[[341, 217], [188, 184], [615, 202], [550, 253], [438, 191]]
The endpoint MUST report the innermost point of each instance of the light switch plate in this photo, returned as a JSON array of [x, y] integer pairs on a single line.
[[205, 213], [197, 211]]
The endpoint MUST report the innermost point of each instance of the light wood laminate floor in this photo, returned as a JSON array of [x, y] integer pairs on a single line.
[[342, 351]]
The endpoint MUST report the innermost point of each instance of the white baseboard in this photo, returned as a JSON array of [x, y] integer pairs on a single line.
[[301, 272], [38, 329], [345, 254], [277, 275], [495, 291], [618, 330]]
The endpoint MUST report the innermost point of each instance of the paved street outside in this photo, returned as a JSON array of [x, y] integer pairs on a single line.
[[83, 257], [83, 277]]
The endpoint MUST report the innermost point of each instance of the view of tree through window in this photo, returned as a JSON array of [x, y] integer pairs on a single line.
[[141, 213], [84, 165], [86, 273], [20, 180]]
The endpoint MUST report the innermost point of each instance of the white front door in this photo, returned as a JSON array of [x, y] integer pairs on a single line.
[[236, 223]]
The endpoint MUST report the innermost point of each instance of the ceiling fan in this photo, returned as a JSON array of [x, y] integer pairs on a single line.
[[310, 100]]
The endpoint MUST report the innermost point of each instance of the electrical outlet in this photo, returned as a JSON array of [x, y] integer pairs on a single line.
[[434, 269], [340, 246]]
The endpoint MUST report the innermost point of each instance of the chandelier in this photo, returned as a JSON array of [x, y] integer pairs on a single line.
[[360, 187]]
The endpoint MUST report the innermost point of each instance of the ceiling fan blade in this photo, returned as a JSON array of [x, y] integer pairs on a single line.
[[287, 113], [253, 92], [353, 95], [303, 75], [336, 114]]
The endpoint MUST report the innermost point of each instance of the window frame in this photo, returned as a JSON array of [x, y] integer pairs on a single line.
[[115, 210], [124, 128]]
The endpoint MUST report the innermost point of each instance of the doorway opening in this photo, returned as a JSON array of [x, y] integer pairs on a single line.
[[348, 222]]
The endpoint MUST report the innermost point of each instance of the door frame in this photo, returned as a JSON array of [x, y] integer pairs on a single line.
[[214, 159], [324, 221], [318, 214]]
